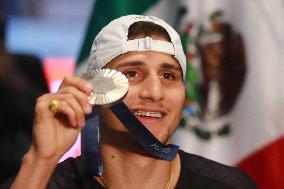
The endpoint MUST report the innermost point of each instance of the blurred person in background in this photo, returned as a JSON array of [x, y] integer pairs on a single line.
[[21, 82]]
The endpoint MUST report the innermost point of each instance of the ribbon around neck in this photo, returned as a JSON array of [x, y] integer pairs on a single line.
[[90, 139]]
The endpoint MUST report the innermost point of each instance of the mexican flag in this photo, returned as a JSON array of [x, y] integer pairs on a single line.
[[255, 142], [255, 139]]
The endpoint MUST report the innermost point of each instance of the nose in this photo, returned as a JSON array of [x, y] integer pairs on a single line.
[[152, 89]]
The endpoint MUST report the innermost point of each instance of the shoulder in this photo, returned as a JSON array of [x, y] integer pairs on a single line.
[[70, 174], [212, 172], [66, 175]]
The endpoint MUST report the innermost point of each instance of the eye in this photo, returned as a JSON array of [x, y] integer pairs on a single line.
[[130, 74], [167, 75]]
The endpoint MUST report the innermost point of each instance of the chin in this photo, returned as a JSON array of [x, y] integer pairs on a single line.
[[164, 139]]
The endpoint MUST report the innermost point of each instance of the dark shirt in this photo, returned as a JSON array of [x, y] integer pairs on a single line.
[[196, 173]]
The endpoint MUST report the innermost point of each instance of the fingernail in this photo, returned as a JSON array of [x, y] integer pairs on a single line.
[[88, 109], [89, 86], [82, 123]]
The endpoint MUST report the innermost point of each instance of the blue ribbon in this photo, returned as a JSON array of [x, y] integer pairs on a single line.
[[144, 137], [90, 139], [90, 145]]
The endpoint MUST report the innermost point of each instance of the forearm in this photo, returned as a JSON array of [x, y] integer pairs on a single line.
[[34, 173]]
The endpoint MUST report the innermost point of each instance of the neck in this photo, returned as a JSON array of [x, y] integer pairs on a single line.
[[127, 165], [129, 170]]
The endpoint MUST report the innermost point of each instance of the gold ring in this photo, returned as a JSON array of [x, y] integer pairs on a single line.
[[53, 106]]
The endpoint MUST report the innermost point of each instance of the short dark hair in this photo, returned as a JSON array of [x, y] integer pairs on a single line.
[[146, 29]]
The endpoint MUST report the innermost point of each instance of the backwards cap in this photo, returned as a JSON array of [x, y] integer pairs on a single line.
[[112, 41]]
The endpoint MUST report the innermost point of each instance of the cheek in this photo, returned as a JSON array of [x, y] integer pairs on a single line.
[[175, 103], [173, 96], [132, 95], [177, 97]]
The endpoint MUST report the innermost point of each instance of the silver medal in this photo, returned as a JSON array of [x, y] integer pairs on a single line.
[[109, 86]]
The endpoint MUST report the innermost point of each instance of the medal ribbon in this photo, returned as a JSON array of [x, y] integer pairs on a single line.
[[144, 137], [90, 144], [90, 139]]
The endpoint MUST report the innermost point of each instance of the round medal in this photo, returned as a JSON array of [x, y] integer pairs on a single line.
[[109, 86]]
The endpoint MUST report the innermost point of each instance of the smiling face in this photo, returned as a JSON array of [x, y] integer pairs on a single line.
[[156, 91]]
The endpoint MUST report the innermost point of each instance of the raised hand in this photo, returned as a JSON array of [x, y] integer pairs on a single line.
[[57, 130], [59, 118]]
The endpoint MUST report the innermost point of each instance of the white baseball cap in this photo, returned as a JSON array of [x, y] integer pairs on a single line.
[[112, 41]]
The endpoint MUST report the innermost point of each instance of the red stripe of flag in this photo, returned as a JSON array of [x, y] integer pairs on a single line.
[[266, 166]]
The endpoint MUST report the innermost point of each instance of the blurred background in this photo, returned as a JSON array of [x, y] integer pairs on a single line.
[[39, 44], [52, 30], [235, 95]]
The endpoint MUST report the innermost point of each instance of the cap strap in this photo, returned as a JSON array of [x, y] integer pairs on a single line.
[[149, 44]]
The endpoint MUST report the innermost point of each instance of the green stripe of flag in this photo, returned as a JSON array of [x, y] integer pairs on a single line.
[[103, 12]]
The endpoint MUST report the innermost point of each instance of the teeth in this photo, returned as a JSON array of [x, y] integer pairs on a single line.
[[148, 114]]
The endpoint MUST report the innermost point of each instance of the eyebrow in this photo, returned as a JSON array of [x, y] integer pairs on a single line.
[[171, 66], [139, 63], [125, 64]]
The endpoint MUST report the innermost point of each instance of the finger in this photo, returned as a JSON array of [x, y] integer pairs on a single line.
[[76, 82], [65, 109], [81, 97], [76, 106]]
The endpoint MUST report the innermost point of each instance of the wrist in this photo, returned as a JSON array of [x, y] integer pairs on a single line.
[[38, 162], [37, 157], [35, 171]]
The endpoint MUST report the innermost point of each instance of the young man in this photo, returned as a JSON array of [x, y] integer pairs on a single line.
[[149, 53]]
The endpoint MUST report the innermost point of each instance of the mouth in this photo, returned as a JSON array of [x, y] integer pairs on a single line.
[[141, 113]]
